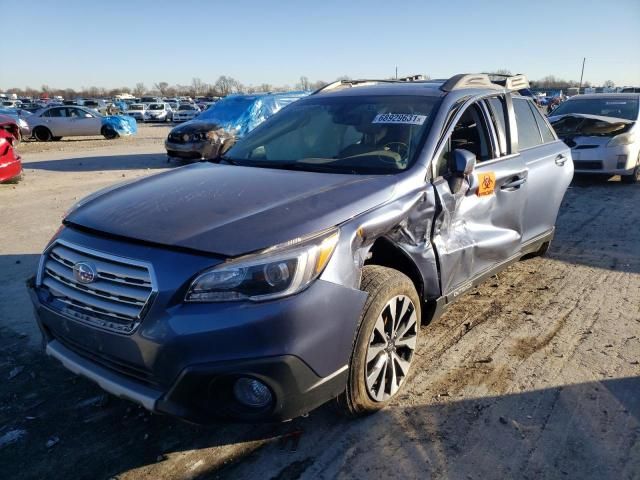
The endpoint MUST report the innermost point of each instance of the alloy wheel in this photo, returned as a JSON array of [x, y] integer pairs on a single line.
[[391, 348]]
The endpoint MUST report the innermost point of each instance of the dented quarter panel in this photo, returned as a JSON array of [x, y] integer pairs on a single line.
[[405, 221]]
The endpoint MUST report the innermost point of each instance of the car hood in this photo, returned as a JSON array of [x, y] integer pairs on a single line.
[[193, 126], [230, 210], [600, 118], [579, 124]]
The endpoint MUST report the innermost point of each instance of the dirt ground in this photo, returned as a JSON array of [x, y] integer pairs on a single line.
[[533, 375]]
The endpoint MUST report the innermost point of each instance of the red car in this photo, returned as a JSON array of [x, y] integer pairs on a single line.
[[10, 164]]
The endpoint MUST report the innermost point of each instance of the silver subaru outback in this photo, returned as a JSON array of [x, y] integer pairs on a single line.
[[298, 266]]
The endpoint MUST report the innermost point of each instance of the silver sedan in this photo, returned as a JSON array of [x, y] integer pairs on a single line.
[[53, 123]]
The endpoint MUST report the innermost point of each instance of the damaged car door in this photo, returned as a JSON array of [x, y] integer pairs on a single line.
[[482, 190]]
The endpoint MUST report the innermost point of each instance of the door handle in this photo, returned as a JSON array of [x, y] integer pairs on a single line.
[[561, 159], [514, 184]]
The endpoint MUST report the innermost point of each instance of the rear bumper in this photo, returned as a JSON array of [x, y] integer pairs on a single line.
[[10, 169]]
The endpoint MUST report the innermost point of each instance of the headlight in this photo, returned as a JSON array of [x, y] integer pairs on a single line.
[[275, 272], [622, 139], [22, 123]]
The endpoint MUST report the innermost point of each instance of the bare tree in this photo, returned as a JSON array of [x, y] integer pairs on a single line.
[[197, 87], [303, 84], [226, 85], [500, 71], [161, 87], [609, 84], [139, 89]]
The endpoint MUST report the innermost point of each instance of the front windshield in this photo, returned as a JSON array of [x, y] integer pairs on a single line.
[[186, 107], [359, 134], [156, 106], [136, 107], [626, 108]]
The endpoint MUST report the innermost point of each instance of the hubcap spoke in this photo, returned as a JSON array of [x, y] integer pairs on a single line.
[[394, 385], [374, 351], [375, 371], [413, 319], [407, 341], [402, 363], [383, 379]]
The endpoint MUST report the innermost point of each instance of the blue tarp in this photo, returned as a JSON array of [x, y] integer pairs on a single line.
[[123, 124], [239, 114]]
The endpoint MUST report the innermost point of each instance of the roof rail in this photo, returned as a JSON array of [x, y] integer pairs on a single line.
[[467, 80], [484, 80], [510, 82], [353, 83]]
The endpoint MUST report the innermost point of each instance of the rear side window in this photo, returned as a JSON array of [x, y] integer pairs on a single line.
[[545, 130], [58, 112], [528, 133]]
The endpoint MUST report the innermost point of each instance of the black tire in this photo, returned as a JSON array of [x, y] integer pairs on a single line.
[[384, 286], [109, 133], [56, 139], [42, 134]]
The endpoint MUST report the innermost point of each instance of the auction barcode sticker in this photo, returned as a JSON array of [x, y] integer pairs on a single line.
[[400, 118]]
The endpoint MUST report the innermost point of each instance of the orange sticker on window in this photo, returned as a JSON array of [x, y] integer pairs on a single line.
[[486, 183]]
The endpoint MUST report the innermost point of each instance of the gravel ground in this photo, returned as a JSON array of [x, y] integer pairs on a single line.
[[535, 374]]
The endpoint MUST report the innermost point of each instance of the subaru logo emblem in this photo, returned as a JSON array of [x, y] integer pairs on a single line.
[[84, 272]]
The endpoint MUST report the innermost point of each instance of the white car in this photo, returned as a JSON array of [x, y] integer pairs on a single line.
[[158, 112], [138, 111], [53, 123], [185, 112], [603, 131]]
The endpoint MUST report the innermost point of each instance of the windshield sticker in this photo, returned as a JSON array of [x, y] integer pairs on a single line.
[[400, 118]]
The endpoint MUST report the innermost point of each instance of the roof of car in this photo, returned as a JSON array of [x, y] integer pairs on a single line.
[[426, 88], [476, 83]]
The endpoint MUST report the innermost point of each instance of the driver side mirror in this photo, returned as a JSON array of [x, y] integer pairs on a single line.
[[88, 115], [463, 162]]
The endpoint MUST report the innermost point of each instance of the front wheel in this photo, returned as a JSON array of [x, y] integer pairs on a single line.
[[385, 342], [109, 133]]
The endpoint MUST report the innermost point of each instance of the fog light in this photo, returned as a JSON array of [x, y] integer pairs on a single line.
[[252, 393], [622, 161]]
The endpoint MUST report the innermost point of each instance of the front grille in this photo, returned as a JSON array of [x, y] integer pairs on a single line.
[[116, 299], [587, 165], [176, 138]]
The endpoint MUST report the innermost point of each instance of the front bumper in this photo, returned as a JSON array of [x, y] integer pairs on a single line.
[[182, 358], [187, 151], [618, 160]]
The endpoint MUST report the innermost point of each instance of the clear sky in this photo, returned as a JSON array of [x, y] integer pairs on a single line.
[[113, 43]]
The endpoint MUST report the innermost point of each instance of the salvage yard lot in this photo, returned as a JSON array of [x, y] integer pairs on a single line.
[[535, 374]]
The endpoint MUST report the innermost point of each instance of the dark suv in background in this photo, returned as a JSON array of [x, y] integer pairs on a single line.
[[299, 266]]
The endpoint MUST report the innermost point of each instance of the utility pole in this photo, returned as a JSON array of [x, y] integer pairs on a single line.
[[396, 72], [582, 74]]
